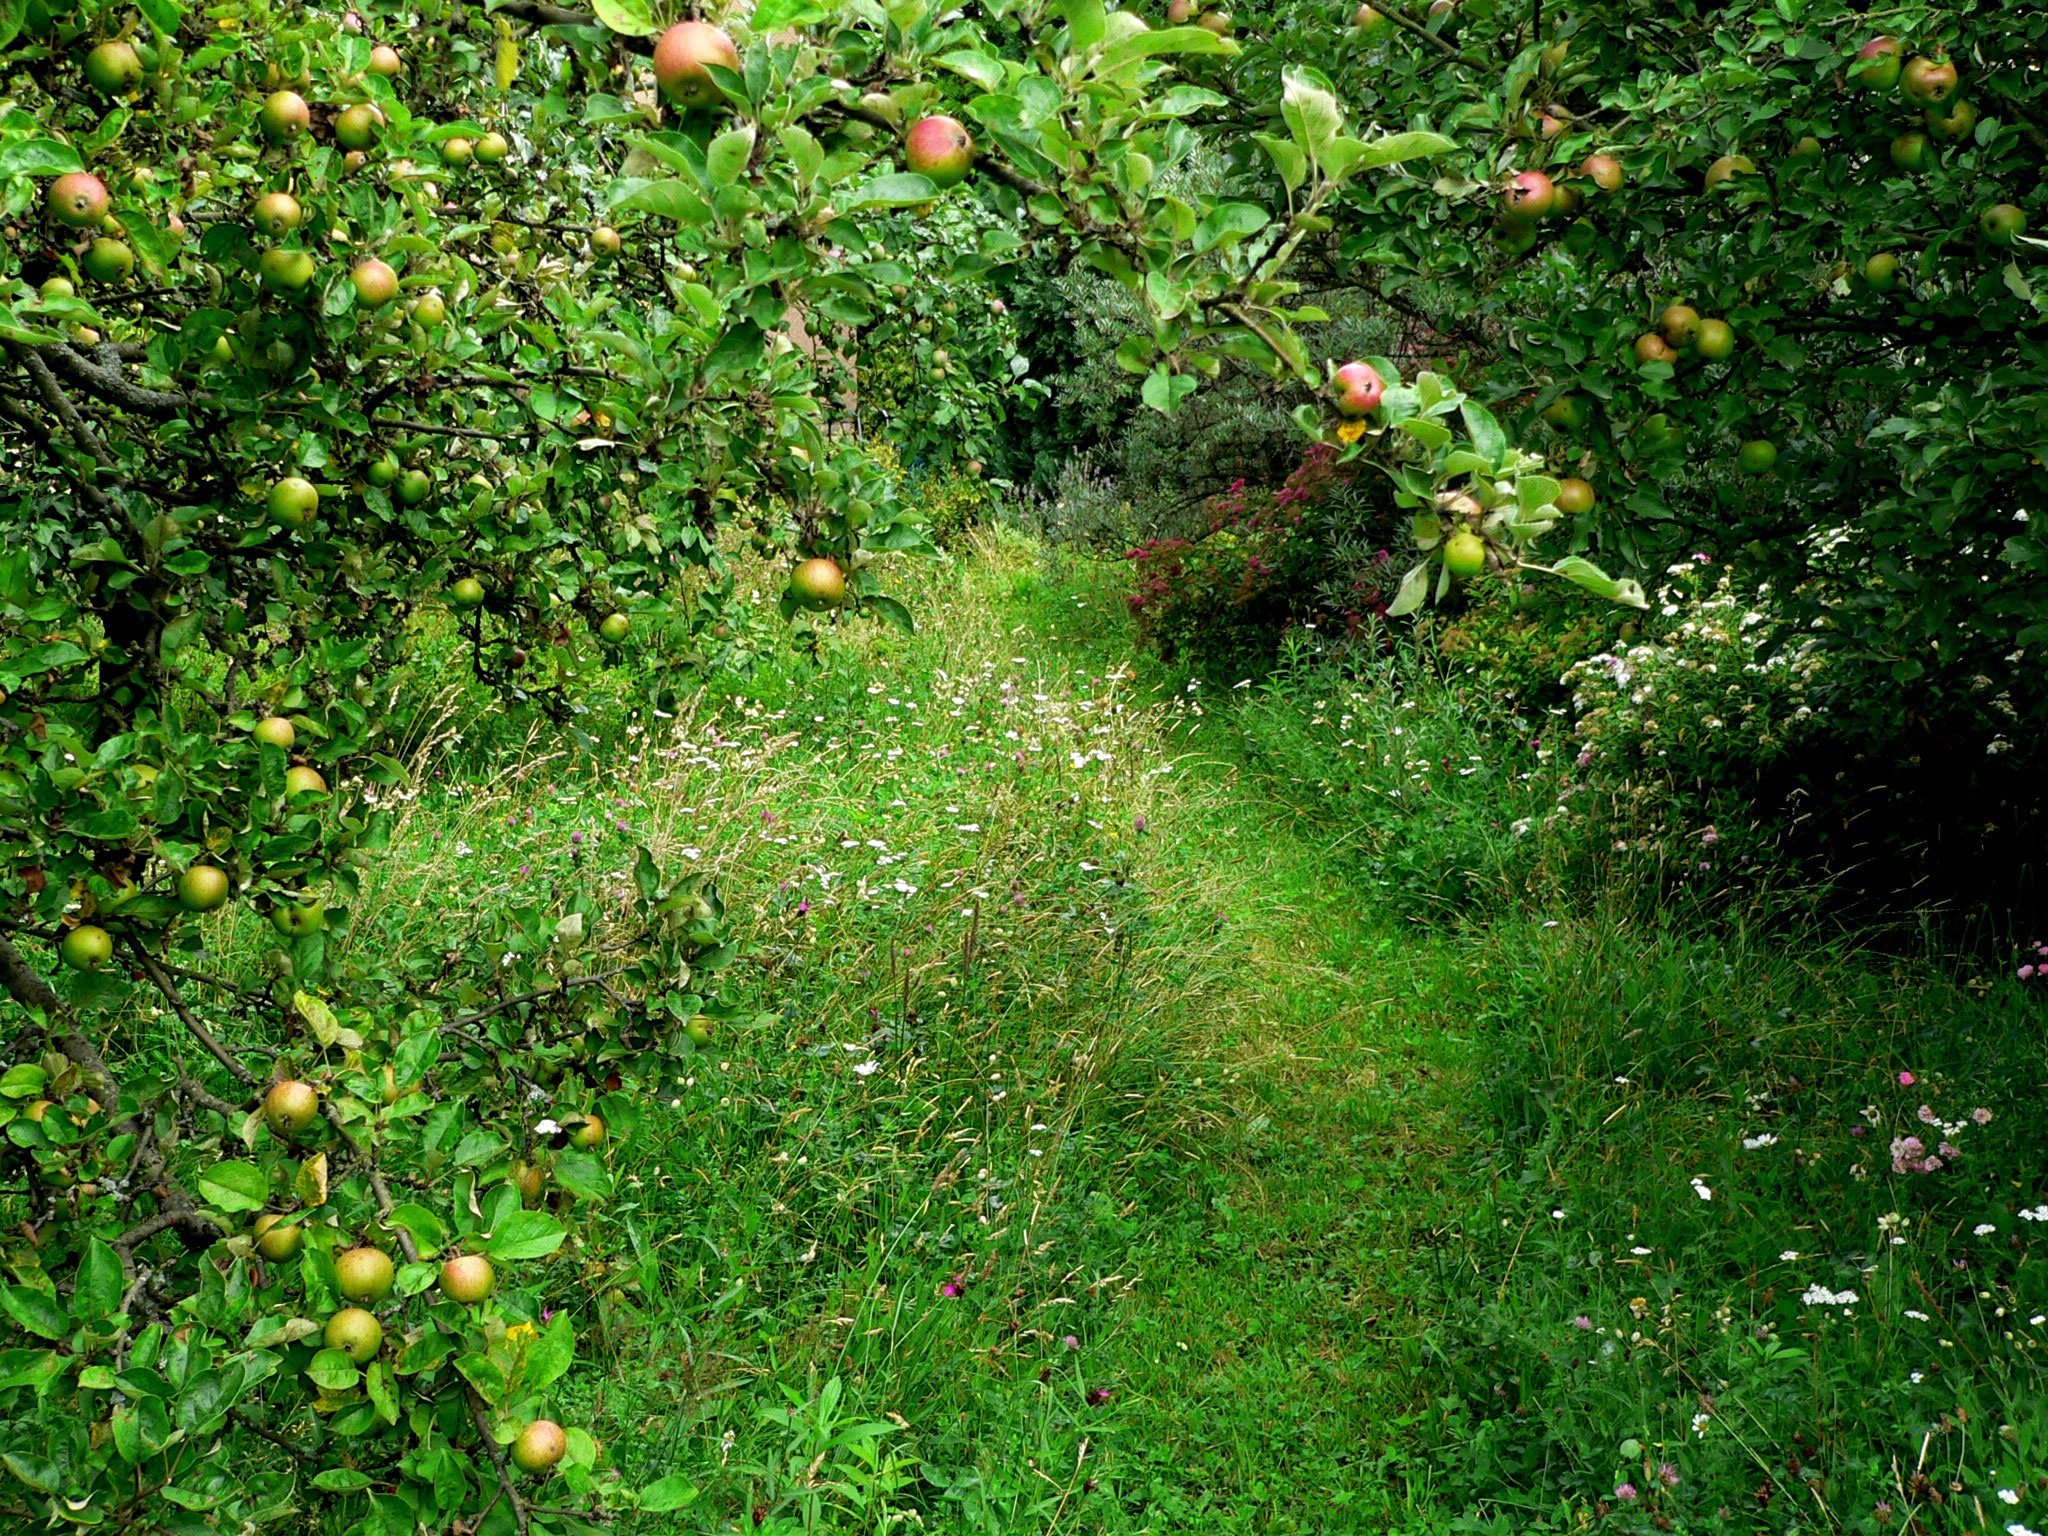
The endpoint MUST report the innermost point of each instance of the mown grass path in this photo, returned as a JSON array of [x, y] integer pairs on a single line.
[[1272, 1348]]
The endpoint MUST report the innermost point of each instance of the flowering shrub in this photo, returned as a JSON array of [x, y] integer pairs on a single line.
[[1769, 1217], [1266, 561]]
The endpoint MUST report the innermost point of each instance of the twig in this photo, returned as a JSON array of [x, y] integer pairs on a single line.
[[1403, 20], [199, 1031], [1244, 317], [482, 1420], [531, 997], [427, 426]]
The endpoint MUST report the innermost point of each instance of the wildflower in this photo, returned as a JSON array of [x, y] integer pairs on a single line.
[[1981, 1116], [2038, 1213], [1700, 1188], [2016, 1529], [1582, 1321], [1667, 1474], [1626, 1492], [1097, 1396], [2006, 1495], [1071, 1341], [866, 1068], [953, 1287], [1699, 1425], [1790, 1256], [1906, 1079]]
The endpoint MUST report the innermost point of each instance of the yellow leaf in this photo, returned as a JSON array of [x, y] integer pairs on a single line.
[[508, 56]]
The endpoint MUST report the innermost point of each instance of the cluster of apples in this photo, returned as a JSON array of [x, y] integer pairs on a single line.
[[203, 887], [1931, 86], [1182, 13], [937, 147], [365, 1273]]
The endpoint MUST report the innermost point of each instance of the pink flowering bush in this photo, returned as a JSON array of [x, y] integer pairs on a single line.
[[1313, 551]]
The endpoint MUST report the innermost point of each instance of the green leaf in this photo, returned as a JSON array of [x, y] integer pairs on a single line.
[[234, 1187], [1488, 438], [342, 1480], [1085, 22], [1168, 40], [37, 1311], [1312, 115], [1585, 573], [631, 17], [1414, 588], [1433, 435], [1396, 147], [670, 199], [383, 1390], [1164, 391], [526, 1235], [100, 1283], [728, 155], [978, 67], [1533, 491], [550, 1356], [319, 1018], [332, 1370], [25, 1081], [163, 15], [39, 157], [780, 15], [1228, 223], [900, 190], [583, 1175], [673, 1492], [892, 611], [1287, 159]]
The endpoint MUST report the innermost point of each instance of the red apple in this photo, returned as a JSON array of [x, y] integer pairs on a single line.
[[680, 61], [77, 200], [1531, 196], [940, 149], [1359, 387]]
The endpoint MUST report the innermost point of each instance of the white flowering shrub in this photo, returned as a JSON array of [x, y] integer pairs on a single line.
[[1688, 736]]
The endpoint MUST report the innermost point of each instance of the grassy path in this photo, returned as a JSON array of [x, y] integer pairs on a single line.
[[1272, 1349]]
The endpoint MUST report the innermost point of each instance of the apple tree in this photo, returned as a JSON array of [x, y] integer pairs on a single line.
[[323, 330], [1763, 281]]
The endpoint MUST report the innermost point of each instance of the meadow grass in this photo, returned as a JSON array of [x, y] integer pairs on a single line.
[[1140, 1111]]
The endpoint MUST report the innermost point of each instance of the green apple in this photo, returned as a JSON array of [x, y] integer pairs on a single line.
[[289, 1107], [276, 730], [364, 1274], [356, 127], [299, 920], [293, 501], [355, 1333], [107, 261], [114, 68], [284, 116], [202, 888], [278, 213], [286, 271], [86, 948]]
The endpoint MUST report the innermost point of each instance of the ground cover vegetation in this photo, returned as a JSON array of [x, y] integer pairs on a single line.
[[825, 768]]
